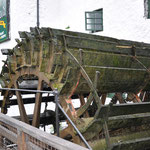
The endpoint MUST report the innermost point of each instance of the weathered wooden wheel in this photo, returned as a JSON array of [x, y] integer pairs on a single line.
[[75, 64], [24, 74]]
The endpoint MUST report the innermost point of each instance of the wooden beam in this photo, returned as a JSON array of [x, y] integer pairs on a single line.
[[120, 98], [22, 141], [37, 107], [4, 132], [41, 137], [82, 101], [103, 98], [22, 110], [13, 102]]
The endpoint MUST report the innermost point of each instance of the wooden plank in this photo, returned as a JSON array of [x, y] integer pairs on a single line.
[[104, 46], [124, 109], [137, 144], [13, 102], [131, 116], [32, 146], [107, 136], [58, 32], [8, 134], [22, 140], [47, 138]]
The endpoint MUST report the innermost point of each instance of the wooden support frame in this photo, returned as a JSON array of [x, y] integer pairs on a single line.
[[22, 110], [82, 101], [90, 98], [107, 136], [26, 134], [37, 107], [85, 75]]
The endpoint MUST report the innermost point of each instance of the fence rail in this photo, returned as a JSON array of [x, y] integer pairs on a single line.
[[16, 135]]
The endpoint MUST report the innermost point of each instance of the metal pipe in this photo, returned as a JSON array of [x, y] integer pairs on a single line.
[[57, 112], [26, 90], [38, 15], [79, 133]]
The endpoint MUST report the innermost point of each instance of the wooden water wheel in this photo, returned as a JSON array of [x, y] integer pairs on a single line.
[[76, 64]]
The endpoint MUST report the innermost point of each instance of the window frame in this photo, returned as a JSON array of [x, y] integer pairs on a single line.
[[147, 9], [94, 19]]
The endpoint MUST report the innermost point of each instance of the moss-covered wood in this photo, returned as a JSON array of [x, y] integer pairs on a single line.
[[70, 60], [114, 59], [131, 141]]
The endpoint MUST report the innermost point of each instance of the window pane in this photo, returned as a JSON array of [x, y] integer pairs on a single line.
[[90, 27], [90, 20], [90, 15], [98, 27], [98, 14], [98, 21]]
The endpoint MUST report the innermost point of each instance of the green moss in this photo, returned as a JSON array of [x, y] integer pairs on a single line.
[[57, 86], [83, 123], [101, 144]]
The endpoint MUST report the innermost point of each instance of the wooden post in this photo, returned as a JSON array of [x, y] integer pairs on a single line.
[[103, 98], [1, 141], [37, 107], [22, 110], [120, 98], [21, 140], [82, 101], [106, 132]]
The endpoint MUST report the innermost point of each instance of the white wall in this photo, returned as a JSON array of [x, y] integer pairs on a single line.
[[125, 19], [22, 16], [122, 18]]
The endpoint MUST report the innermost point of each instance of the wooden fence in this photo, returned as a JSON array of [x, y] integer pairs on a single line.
[[17, 135]]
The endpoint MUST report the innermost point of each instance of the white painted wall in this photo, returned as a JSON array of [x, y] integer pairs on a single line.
[[122, 18], [22, 16], [125, 19]]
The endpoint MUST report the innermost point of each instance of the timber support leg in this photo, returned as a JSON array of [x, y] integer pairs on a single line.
[[22, 110], [37, 107]]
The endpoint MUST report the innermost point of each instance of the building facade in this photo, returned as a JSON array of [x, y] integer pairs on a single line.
[[122, 19]]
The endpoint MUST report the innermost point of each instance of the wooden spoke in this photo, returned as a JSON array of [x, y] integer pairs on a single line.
[[85, 106], [22, 110], [82, 101], [4, 104], [137, 98], [5, 100], [90, 98], [120, 98], [133, 97], [103, 98], [37, 107]]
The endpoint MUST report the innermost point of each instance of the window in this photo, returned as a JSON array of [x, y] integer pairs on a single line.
[[4, 20], [147, 9], [94, 20]]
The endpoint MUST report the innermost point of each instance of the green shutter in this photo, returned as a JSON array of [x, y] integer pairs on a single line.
[[148, 9], [94, 20]]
